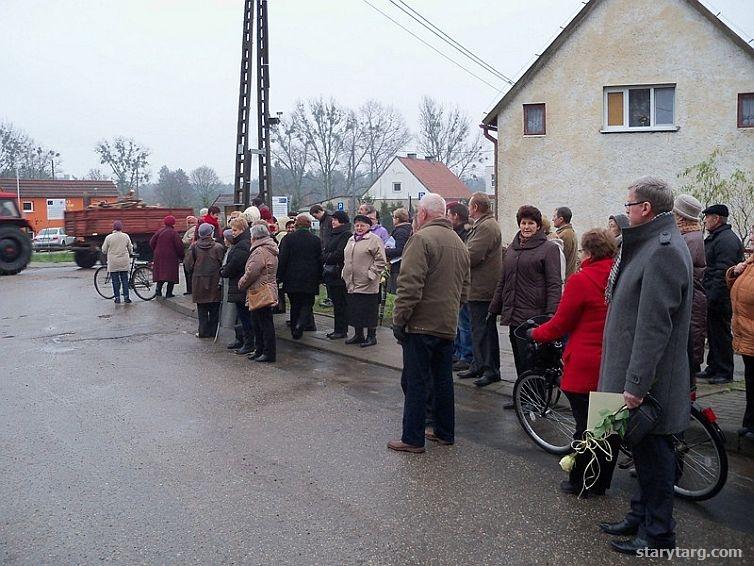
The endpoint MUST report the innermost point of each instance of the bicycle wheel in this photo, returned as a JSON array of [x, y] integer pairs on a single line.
[[142, 282], [701, 458], [103, 283], [544, 413]]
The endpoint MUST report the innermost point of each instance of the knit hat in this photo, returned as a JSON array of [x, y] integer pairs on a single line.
[[117, 225], [719, 209], [206, 230], [228, 234], [362, 218], [341, 216], [169, 220], [621, 220], [687, 206]]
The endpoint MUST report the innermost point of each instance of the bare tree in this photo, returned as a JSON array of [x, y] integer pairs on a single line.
[[385, 134], [355, 150], [206, 184], [173, 188], [96, 174], [128, 160], [444, 134], [323, 124], [20, 152], [292, 153]]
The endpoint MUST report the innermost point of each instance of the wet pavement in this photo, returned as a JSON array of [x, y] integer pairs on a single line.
[[125, 439]]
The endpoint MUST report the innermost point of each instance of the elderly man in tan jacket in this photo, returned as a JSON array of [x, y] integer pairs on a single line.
[[485, 244], [432, 284]]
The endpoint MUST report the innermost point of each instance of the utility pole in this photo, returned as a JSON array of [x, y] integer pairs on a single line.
[[243, 156], [263, 108]]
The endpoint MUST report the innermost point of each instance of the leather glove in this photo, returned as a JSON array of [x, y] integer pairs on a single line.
[[400, 333]]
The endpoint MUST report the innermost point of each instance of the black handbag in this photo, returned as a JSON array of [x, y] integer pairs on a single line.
[[642, 420], [331, 272]]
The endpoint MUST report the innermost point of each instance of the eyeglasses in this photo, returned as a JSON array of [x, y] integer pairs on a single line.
[[630, 204]]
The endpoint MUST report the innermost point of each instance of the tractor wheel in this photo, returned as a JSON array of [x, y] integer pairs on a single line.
[[15, 250], [86, 258]]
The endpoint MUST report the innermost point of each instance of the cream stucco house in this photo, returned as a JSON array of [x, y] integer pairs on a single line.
[[629, 88]]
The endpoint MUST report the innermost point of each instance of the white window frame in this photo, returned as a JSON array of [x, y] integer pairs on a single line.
[[652, 127], [397, 186], [31, 206]]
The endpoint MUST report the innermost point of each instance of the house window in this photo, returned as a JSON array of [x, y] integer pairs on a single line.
[[746, 110], [534, 120], [640, 108], [396, 187], [28, 206]]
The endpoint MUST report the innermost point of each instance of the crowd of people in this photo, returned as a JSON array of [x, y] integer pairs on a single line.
[[635, 302]]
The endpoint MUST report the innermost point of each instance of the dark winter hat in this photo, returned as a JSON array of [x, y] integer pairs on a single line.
[[206, 230], [362, 218], [169, 220], [341, 216], [228, 234], [621, 220], [719, 209], [117, 225]]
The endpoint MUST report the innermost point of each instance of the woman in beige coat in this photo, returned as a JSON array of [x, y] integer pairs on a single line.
[[261, 270], [118, 249], [364, 263]]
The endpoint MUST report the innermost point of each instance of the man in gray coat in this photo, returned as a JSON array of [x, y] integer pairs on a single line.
[[649, 293]]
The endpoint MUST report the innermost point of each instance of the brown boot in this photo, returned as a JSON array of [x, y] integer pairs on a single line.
[[400, 446]]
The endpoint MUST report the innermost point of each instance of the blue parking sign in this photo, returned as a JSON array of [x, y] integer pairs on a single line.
[[421, 195], [340, 206]]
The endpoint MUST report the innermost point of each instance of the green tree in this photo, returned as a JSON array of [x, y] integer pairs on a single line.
[[173, 188], [704, 181]]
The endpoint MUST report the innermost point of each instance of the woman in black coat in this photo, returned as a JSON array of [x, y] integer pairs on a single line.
[[332, 272], [300, 271], [401, 233], [233, 269]]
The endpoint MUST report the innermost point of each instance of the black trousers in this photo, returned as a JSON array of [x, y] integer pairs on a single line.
[[338, 296], [264, 331], [652, 505], [719, 339], [187, 275], [580, 409], [170, 286], [485, 343], [244, 317], [209, 317], [302, 309], [749, 377], [521, 358]]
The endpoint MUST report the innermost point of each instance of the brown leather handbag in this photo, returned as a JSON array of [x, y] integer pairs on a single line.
[[260, 297]]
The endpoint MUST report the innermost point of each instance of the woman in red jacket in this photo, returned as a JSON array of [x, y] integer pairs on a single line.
[[581, 316]]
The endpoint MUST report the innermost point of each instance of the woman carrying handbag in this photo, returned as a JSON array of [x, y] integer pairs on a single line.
[[260, 282]]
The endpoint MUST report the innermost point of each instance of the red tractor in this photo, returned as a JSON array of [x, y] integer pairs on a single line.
[[15, 236]]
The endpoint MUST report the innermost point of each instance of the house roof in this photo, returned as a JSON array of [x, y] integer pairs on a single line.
[[548, 53], [436, 177], [59, 188]]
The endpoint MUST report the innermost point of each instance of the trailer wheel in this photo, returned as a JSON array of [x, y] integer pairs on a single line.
[[15, 250], [86, 258]]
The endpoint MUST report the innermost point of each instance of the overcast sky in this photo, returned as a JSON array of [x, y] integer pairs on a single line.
[[165, 72]]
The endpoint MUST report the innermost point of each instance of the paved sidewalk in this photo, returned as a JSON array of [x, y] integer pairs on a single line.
[[728, 401]]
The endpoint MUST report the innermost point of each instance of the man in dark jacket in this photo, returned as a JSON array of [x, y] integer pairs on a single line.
[[334, 258], [234, 268], [723, 249], [401, 233], [433, 282], [325, 223], [649, 293], [458, 214], [300, 271]]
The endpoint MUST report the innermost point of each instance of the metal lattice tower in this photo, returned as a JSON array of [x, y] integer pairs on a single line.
[[263, 109], [243, 156]]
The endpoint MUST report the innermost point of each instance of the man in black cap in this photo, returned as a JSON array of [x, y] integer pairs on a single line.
[[722, 248]]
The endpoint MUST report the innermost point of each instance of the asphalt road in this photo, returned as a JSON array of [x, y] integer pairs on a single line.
[[125, 439]]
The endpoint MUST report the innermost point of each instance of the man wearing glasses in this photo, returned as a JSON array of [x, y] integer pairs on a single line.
[[649, 294]]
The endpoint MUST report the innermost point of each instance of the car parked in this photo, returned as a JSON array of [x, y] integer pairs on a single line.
[[51, 239]]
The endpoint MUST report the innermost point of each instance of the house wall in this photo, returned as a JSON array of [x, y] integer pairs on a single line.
[[38, 217], [396, 172], [622, 42]]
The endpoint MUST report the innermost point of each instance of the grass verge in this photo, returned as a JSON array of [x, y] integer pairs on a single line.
[[52, 257]]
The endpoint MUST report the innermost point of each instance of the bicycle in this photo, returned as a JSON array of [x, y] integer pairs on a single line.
[[140, 279], [544, 413]]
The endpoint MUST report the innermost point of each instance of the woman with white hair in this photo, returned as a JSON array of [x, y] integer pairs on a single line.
[[260, 282]]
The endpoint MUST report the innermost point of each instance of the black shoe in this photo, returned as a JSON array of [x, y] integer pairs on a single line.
[[245, 349], [169, 296], [355, 339], [486, 380], [469, 374], [117, 300], [296, 333], [336, 335], [620, 529], [509, 407], [461, 365], [629, 546], [127, 301], [264, 358], [235, 345], [567, 487], [254, 355], [370, 341], [719, 380], [158, 293], [187, 293]]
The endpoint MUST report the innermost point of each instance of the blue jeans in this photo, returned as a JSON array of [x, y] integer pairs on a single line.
[[118, 278], [462, 345], [427, 366]]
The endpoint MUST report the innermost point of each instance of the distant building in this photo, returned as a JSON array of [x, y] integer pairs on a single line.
[[43, 201], [629, 88], [412, 177]]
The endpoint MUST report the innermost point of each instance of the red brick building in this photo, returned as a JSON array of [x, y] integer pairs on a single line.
[[43, 201]]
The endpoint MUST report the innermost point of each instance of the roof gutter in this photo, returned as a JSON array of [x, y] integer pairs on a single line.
[[486, 130]]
